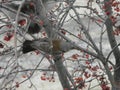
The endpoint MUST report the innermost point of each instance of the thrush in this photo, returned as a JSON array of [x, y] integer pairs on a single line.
[[47, 45]]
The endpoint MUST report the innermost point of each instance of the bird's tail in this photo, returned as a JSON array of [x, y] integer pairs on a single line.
[[27, 46]]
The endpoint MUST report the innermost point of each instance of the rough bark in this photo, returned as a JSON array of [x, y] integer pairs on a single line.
[[113, 43], [61, 71], [116, 53]]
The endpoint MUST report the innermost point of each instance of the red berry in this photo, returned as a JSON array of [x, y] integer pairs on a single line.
[[37, 52], [17, 85], [22, 22], [74, 56], [41, 23], [43, 78], [87, 62], [63, 32], [66, 89], [79, 36], [87, 56], [107, 13]]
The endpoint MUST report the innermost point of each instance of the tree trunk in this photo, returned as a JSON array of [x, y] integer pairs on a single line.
[[117, 76], [113, 43], [60, 68], [41, 12]]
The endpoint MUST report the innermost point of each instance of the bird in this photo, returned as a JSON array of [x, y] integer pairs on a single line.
[[46, 45], [27, 47], [31, 45], [34, 28], [27, 8]]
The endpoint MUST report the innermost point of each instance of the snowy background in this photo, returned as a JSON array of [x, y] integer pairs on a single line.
[[30, 60]]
